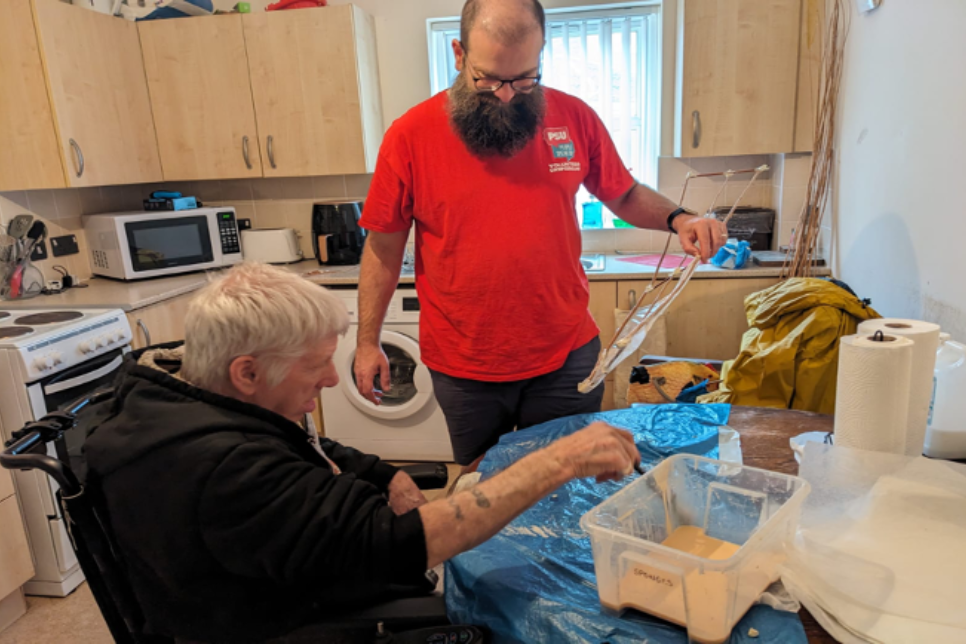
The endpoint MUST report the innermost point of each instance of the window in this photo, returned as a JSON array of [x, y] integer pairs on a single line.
[[610, 58]]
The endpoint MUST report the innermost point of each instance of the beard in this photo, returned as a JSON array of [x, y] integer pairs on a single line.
[[487, 125]]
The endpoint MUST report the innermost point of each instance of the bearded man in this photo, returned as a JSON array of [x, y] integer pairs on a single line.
[[488, 172]]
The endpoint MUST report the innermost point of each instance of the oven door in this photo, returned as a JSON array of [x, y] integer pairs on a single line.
[[155, 246], [59, 392]]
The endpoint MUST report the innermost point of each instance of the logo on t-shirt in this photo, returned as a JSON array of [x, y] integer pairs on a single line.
[[562, 146]]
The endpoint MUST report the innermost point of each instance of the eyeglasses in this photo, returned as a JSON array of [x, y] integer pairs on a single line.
[[522, 85]]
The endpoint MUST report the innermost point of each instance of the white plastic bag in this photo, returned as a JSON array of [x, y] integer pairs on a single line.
[[880, 548]]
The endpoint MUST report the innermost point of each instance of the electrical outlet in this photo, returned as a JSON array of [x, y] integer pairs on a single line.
[[244, 224], [65, 245], [40, 252]]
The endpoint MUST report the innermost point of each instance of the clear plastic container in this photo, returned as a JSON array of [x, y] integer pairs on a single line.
[[946, 433], [751, 511]]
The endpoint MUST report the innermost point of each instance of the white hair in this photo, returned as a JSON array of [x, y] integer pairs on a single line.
[[261, 311]]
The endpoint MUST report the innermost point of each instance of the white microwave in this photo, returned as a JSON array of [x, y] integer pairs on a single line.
[[138, 245]]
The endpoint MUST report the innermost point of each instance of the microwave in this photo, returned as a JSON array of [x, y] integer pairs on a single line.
[[138, 245]]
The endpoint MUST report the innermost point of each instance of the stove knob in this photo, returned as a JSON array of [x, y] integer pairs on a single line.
[[40, 364], [99, 341], [109, 339], [119, 335], [49, 360], [58, 358], [86, 346]]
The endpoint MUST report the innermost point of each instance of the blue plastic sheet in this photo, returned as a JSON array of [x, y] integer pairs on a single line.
[[534, 581]]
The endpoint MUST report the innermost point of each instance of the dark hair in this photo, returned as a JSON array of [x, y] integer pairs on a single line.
[[472, 8]]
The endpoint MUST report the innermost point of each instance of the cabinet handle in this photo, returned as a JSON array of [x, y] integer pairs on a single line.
[[248, 161], [695, 129], [271, 151], [80, 157], [144, 330], [631, 299]]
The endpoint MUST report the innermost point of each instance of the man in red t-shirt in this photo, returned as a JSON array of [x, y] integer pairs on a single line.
[[488, 171]]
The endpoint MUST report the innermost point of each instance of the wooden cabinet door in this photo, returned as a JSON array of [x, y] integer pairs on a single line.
[[707, 319], [98, 95], [162, 322], [29, 158], [201, 95], [315, 85], [16, 564], [738, 77], [603, 303]]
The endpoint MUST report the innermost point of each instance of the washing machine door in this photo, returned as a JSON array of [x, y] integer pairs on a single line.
[[412, 386]]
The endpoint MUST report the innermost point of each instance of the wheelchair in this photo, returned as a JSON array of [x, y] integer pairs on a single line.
[[408, 620]]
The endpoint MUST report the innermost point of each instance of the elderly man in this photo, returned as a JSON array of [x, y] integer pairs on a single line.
[[488, 172], [234, 522]]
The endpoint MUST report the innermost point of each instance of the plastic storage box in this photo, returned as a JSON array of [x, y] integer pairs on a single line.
[[752, 511]]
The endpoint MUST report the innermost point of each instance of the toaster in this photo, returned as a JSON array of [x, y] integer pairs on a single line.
[[271, 245]]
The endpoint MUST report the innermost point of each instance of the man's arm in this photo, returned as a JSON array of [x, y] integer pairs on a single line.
[[381, 264], [467, 519], [645, 208]]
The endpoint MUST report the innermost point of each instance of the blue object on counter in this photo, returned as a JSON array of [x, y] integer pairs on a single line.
[[593, 215], [534, 581], [734, 254]]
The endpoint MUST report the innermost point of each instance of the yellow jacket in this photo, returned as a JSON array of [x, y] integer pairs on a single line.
[[789, 356]]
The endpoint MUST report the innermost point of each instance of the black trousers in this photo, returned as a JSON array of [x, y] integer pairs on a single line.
[[478, 413]]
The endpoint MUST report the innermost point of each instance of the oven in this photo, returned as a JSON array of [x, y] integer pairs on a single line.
[[59, 358], [60, 391]]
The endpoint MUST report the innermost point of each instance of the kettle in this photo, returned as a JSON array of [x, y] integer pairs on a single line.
[[337, 237]]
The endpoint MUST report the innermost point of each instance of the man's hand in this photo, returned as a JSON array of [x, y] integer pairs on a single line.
[[371, 361], [598, 450], [403, 494], [709, 234]]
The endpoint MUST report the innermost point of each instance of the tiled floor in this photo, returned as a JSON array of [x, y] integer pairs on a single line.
[[77, 620], [72, 620]]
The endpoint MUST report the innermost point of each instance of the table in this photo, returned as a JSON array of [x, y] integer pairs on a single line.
[[765, 435], [764, 443]]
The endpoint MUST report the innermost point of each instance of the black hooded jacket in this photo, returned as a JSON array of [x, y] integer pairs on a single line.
[[231, 525]]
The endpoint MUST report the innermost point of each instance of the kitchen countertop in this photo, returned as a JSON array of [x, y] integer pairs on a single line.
[[130, 296]]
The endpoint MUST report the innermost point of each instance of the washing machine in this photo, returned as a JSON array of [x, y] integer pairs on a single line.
[[408, 425]]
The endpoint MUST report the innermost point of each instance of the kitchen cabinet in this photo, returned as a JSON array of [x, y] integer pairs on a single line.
[[198, 78], [29, 158], [315, 81], [162, 322], [16, 564], [603, 303], [98, 94], [737, 79], [707, 319], [809, 72], [275, 94]]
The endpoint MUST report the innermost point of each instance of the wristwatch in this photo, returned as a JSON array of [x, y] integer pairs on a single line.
[[673, 216]]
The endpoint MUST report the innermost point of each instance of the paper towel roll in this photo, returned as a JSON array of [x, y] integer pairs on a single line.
[[925, 335], [872, 393]]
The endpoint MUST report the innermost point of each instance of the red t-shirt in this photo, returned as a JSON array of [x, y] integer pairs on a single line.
[[503, 296]]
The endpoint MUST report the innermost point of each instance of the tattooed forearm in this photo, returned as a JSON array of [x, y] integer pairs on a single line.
[[456, 508], [481, 499]]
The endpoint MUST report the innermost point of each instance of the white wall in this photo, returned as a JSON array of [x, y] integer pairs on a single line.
[[900, 192]]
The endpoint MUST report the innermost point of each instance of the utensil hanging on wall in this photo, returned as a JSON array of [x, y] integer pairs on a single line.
[[19, 226]]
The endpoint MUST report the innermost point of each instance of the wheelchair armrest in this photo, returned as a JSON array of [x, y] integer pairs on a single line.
[[409, 612], [427, 476]]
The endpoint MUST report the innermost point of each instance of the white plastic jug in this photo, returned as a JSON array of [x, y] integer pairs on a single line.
[[946, 434]]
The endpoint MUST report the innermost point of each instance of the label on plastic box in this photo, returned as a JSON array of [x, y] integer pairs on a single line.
[[651, 588]]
